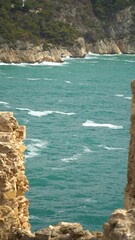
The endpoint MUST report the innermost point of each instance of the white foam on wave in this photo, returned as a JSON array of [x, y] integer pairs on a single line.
[[110, 148], [33, 79], [92, 57], [68, 82], [129, 98], [53, 63], [90, 200], [2, 63], [34, 148], [122, 96], [19, 64], [90, 123], [119, 95], [35, 64], [48, 79], [43, 113], [32, 217], [72, 158], [87, 150], [6, 104]]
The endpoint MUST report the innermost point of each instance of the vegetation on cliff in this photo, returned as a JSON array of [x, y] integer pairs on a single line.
[[104, 9], [58, 22]]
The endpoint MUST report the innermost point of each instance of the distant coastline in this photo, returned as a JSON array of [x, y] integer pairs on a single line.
[[28, 53]]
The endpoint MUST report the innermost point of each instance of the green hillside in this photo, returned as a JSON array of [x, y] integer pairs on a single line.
[[57, 22]]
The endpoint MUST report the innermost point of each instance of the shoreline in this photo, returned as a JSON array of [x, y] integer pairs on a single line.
[[32, 54], [63, 60]]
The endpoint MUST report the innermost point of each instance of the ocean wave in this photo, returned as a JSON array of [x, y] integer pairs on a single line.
[[90, 200], [6, 104], [43, 113], [32, 217], [87, 150], [110, 148], [45, 63], [91, 55], [34, 148], [72, 158], [2, 64], [119, 95], [68, 82], [90, 123], [53, 63], [33, 79], [47, 79], [129, 98], [122, 96]]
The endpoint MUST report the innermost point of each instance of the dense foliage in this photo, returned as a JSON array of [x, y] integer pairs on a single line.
[[105, 8], [35, 21], [44, 20]]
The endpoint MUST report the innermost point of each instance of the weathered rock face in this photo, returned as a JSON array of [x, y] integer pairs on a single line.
[[13, 182], [120, 226], [27, 52], [30, 54], [129, 199], [62, 231]]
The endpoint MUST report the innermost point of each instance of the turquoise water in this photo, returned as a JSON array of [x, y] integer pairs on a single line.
[[77, 116]]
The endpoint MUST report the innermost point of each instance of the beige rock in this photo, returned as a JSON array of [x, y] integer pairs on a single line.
[[13, 209], [120, 226]]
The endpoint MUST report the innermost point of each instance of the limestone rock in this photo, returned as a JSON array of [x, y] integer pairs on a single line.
[[13, 182], [62, 231], [120, 226], [104, 47]]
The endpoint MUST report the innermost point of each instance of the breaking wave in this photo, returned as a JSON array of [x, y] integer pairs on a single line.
[[90, 123], [34, 147], [72, 158], [6, 104], [122, 96], [43, 113], [110, 148]]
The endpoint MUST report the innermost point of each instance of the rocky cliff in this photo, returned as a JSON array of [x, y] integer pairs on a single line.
[[49, 31], [13, 182]]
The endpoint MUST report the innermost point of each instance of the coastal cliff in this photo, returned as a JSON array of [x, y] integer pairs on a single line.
[[48, 31], [14, 216], [13, 182]]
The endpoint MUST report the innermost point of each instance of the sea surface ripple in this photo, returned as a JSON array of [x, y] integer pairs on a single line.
[[77, 115]]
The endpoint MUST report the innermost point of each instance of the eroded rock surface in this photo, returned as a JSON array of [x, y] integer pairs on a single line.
[[120, 226], [13, 182], [62, 231]]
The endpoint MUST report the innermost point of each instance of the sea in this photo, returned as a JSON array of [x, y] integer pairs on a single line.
[[77, 115]]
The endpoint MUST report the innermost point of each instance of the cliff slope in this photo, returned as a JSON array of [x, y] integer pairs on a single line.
[[34, 30]]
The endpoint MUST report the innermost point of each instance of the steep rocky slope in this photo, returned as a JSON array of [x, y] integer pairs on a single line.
[[36, 31]]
